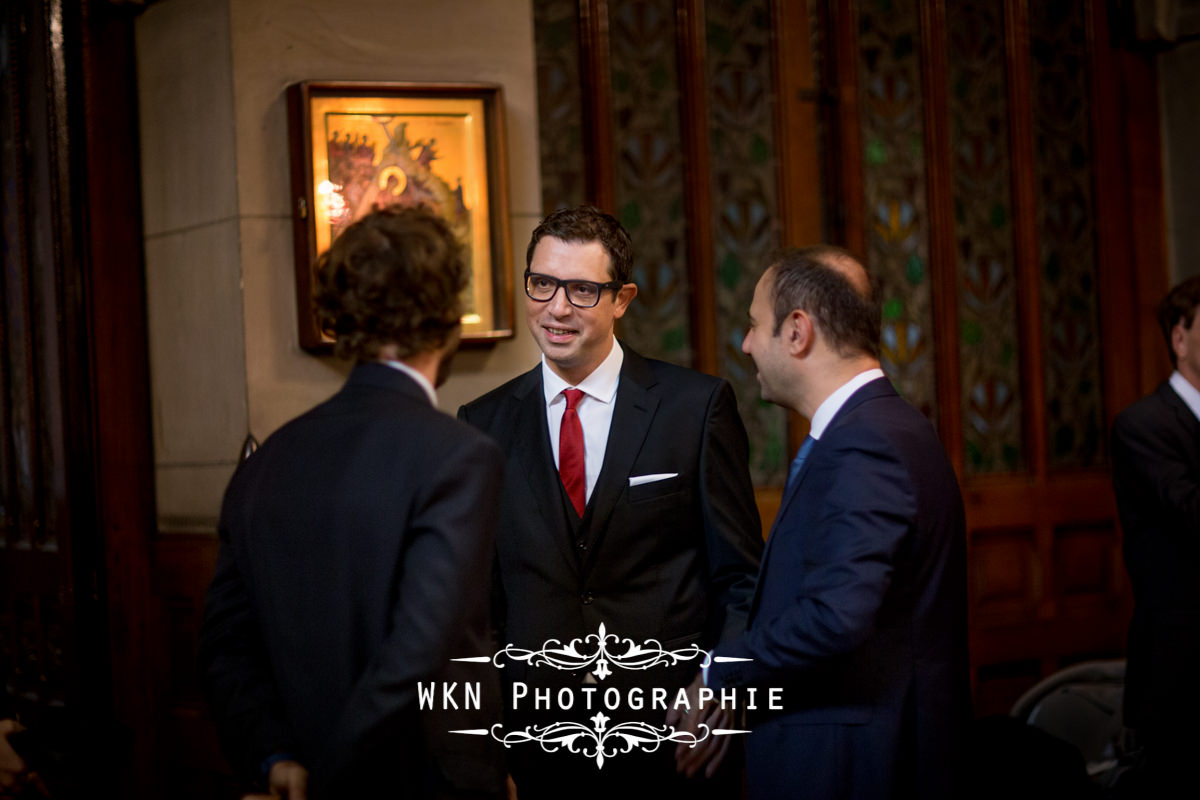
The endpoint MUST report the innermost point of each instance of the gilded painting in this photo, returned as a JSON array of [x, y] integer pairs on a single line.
[[359, 147]]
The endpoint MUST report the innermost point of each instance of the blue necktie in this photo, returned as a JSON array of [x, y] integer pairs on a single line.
[[798, 462]]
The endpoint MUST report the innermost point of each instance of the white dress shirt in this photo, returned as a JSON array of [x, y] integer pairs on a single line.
[[1188, 393], [421, 380], [832, 404], [595, 410]]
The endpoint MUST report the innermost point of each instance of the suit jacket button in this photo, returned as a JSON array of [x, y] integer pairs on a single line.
[[586, 598], [581, 543]]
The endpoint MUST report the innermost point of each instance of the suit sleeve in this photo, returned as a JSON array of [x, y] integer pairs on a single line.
[[448, 554], [849, 548], [732, 530], [498, 600], [236, 668], [1152, 474]]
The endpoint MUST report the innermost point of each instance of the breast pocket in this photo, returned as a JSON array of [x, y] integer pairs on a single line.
[[665, 489]]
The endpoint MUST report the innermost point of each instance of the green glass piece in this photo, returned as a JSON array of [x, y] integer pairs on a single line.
[[631, 216], [999, 216], [972, 332], [730, 271], [875, 153], [893, 308], [760, 150], [1007, 353], [720, 39], [674, 339], [1012, 457], [914, 270], [659, 77], [676, 210], [974, 454]]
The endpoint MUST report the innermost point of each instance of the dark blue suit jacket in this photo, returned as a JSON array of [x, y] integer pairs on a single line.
[[860, 616], [354, 561]]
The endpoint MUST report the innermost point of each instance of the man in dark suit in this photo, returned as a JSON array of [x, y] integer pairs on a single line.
[[1156, 475], [627, 503], [859, 615], [355, 550]]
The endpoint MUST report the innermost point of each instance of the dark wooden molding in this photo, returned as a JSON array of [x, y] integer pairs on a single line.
[[852, 194], [798, 107], [798, 111], [596, 77], [943, 245], [1025, 236], [117, 332], [1130, 214], [697, 189]]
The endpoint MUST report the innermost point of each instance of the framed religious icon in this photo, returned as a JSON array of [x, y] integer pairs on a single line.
[[356, 147]]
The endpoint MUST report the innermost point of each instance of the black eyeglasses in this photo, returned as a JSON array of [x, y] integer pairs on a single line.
[[581, 294]]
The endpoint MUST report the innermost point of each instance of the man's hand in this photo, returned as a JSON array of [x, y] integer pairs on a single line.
[[14, 772], [708, 754], [12, 766], [289, 780]]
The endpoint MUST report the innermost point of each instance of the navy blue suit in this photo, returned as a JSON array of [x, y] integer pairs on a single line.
[[860, 616], [354, 562]]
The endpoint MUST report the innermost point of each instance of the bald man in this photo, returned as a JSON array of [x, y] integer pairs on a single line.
[[859, 613]]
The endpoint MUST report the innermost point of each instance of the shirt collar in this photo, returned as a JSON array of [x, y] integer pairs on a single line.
[[421, 380], [1188, 393], [832, 404], [600, 384]]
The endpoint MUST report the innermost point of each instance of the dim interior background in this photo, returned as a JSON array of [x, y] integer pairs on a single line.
[[1018, 174]]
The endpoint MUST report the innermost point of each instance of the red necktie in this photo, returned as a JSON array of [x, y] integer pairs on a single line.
[[570, 452]]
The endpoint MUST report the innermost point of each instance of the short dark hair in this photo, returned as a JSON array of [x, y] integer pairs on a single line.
[[583, 224], [1179, 306], [394, 277], [807, 279]]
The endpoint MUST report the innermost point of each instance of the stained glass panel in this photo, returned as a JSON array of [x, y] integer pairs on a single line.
[[894, 186], [1066, 234], [745, 226], [560, 127], [987, 309], [649, 174]]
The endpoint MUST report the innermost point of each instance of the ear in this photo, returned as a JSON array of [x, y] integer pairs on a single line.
[[625, 296], [798, 333]]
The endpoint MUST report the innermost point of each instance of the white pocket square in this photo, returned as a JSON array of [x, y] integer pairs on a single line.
[[638, 480]]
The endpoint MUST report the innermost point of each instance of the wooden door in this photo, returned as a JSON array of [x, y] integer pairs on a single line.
[[995, 164]]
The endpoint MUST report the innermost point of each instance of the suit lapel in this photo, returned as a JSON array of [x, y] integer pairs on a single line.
[[535, 460], [632, 415], [1183, 415], [880, 387]]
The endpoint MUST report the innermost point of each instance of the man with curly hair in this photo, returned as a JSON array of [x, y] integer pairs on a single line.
[[354, 558]]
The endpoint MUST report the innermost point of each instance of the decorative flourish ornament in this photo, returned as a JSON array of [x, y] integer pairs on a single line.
[[599, 741], [602, 650]]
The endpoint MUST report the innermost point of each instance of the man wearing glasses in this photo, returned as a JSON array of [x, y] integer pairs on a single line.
[[627, 503]]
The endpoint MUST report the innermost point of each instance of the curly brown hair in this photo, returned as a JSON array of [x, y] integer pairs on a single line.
[[394, 277]]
